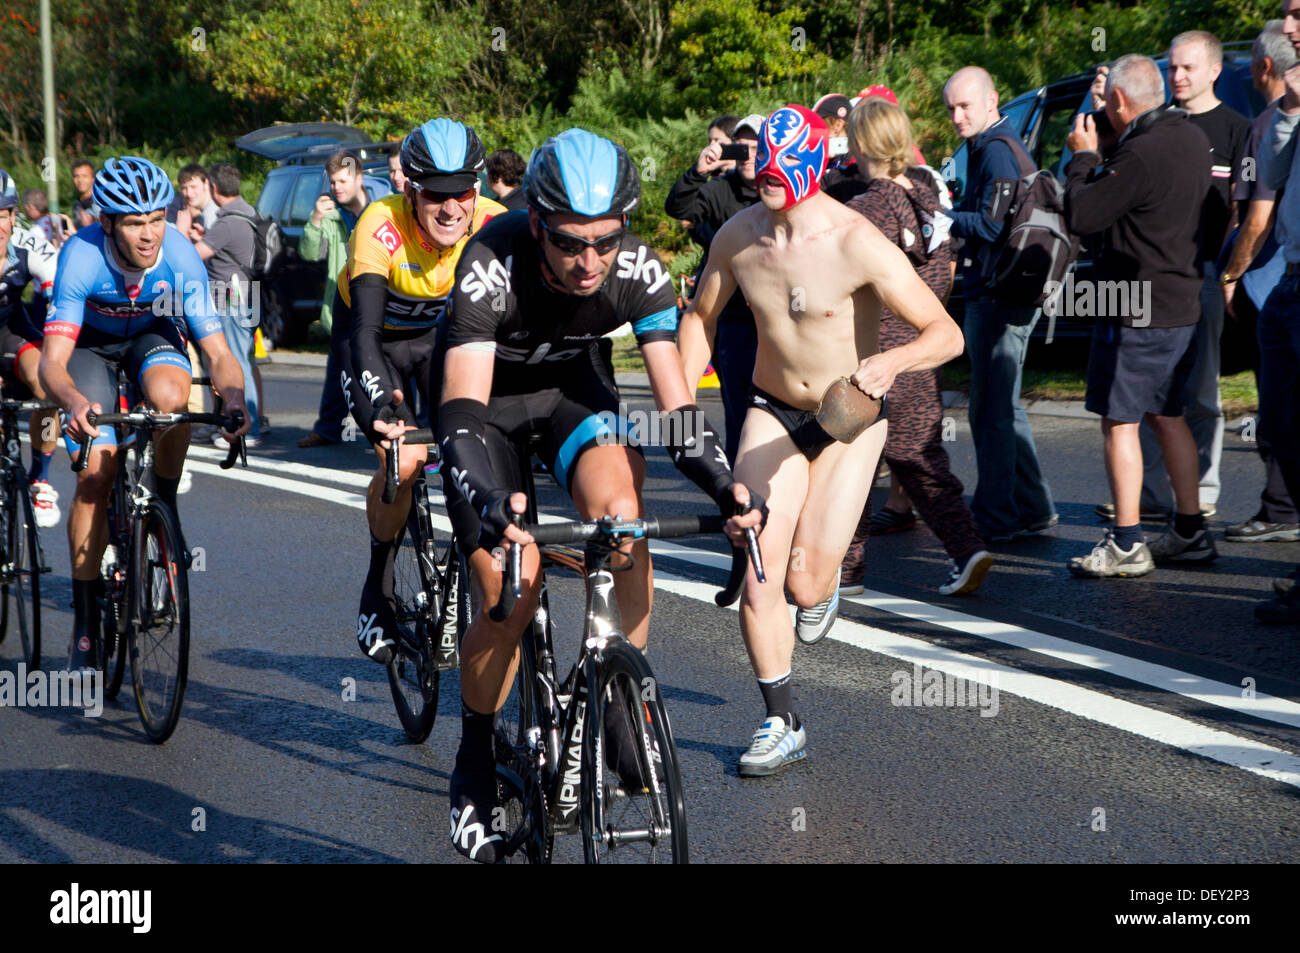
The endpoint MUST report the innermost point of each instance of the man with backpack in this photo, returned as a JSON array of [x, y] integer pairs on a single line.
[[1145, 200], [1012, 498], [228, 249]]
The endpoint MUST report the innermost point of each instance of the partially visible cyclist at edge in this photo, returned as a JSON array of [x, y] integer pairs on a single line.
[[534, 294], [402, 258], [120, 281], [28, 259]]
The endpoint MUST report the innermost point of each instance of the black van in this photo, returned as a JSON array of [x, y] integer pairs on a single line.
[[291, 300]]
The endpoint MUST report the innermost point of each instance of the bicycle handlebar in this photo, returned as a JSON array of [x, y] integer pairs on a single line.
[[650, 528], [391, 474], [148, 418]]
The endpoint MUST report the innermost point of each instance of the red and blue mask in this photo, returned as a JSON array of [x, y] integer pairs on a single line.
[[792, 148]]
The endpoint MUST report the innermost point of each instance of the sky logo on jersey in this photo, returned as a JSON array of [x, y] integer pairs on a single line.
[[388, 237], [641, 265], [479, 281]]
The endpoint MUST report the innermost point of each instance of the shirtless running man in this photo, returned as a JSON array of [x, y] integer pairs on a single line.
[[815, 274]]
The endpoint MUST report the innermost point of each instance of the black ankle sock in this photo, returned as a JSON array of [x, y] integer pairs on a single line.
[[382, 556], [167, 491], [85, 606], [779, 698], [476, 731], [1187, 526], [1126, 537]]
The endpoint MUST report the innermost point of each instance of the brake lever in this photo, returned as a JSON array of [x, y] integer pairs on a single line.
[[751, 545]]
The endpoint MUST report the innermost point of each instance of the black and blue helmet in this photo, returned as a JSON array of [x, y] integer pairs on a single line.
[[131, 185], [443, 155], [578, 171], [8, 191]]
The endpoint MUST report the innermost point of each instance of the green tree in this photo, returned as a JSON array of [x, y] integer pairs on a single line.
[[366, 62], [724, 47]]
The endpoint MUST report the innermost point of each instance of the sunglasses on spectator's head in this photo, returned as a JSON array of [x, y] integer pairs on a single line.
[[437, 198], [573, 245]]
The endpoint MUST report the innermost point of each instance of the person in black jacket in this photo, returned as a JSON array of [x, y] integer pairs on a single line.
[[708, 201], [1145, 200]]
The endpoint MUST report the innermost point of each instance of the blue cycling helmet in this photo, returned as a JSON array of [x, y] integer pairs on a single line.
[[442, 155], [8, 191], [131, 185], [578, 171]]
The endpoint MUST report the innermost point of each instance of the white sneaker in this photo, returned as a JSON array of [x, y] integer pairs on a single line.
[[811, 625], [45, 504], [775, 744], [186, 483]]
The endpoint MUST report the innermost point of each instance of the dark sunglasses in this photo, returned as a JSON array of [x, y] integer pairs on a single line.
[[437, 198], [573, 245]]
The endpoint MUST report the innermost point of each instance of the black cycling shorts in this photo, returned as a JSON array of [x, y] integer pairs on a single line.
[[409, 355], [568, 421], [11, 345], [95, 361]]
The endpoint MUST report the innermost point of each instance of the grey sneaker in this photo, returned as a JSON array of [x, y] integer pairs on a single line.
[[1287, 583], [1256, 530], [967, 576], [811, 625], [1107, 560], [1172, 548], [775, 744]]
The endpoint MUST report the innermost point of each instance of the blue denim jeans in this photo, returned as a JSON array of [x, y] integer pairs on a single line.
[[333, 405], [1011, 493], [238, 330], [1204, 409], [1279, 378]]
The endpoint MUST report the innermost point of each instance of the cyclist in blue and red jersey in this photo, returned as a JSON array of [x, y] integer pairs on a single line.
[[120, 283]]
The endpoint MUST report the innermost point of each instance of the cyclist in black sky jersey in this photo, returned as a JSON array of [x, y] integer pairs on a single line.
[[535, 292]]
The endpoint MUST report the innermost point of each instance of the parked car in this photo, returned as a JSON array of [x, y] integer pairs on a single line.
[[1044, 117], [291, 299]]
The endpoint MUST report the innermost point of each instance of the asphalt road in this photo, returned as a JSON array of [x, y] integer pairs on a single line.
[[1136, 721]]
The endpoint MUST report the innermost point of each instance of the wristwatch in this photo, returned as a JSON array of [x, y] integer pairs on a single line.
[[1228, 278]]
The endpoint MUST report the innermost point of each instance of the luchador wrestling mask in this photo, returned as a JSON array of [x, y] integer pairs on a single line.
[[792, 148]]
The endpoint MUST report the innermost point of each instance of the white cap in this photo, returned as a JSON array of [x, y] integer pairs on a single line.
[[754, 121]]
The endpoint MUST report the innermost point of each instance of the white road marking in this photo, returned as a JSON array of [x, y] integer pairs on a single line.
[[1244, 753]]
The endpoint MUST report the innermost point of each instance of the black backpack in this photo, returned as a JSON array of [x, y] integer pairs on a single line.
[[266, 246], [1036, 246]]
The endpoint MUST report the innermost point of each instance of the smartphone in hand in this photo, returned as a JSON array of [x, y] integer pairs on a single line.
[[735, 151]]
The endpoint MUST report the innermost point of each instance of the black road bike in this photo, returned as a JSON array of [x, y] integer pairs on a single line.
[[146, 610], [430, 584], [22, 560]]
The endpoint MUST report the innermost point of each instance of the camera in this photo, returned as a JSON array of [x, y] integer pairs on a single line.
[[735, 150]]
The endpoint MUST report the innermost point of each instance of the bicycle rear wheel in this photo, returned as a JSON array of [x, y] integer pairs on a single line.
[[22, 570], [639, 817], [412, 674], [160, 622]]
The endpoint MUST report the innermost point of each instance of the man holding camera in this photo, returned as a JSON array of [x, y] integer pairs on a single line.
[[708, 201], [1146, 199]]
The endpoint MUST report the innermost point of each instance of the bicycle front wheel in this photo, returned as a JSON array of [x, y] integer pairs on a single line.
[[412, 674], [160, 621], [22, 571], [632, 809]]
